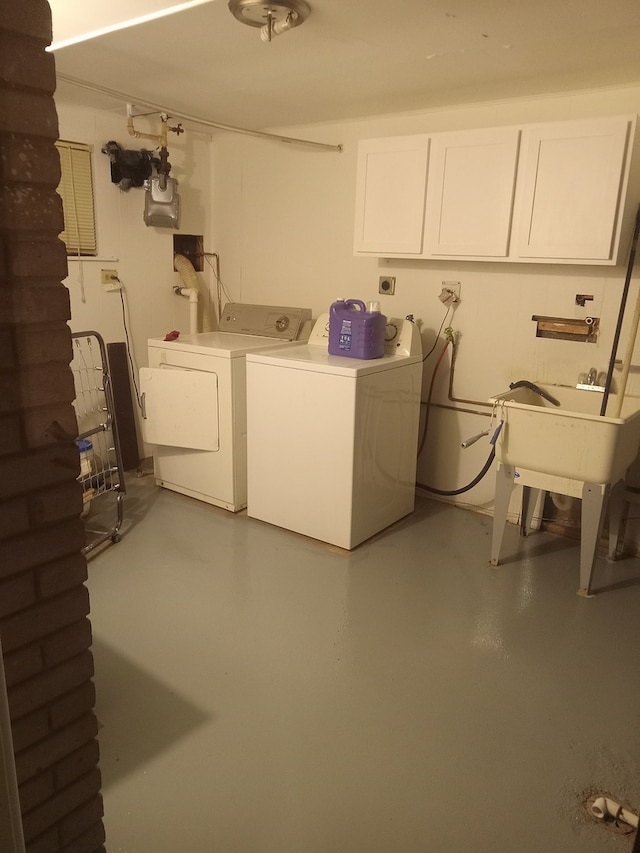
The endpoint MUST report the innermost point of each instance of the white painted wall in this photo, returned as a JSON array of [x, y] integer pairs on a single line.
[[142, 256], [283, 224]]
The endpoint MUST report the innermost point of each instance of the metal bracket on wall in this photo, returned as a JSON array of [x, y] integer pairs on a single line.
[[564, 329]]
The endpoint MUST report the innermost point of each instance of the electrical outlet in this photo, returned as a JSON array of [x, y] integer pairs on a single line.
[[387, 284], [110, 280]]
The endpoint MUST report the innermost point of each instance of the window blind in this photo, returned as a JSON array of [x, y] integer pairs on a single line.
[[76, 191]]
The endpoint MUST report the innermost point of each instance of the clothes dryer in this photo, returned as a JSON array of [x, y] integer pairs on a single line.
[[332, 441], [194, 400]]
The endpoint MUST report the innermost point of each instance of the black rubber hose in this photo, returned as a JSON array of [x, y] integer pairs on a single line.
[[524, 383], [474, 482], [427, 403]]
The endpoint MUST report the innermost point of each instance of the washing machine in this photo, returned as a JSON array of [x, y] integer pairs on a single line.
[[332, 441], [193, 395]]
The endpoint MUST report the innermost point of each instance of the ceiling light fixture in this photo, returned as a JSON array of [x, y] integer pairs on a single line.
[[272, 18]]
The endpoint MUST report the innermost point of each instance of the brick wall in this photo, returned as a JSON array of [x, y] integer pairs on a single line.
[[46, 636]]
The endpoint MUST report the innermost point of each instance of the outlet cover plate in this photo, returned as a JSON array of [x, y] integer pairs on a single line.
[[387, 284], [109, 278]]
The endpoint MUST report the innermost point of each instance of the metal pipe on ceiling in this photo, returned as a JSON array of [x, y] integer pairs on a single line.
[[204, 122]]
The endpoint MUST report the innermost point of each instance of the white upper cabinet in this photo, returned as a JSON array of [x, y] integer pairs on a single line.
[[572, 176], [551, 193], [391, 186], [470, 194]]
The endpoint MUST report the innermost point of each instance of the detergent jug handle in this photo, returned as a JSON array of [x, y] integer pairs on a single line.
[[357, 302], [334, 307]]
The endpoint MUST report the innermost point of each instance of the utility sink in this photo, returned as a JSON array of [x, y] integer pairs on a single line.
[[569, 449], [571, 440]]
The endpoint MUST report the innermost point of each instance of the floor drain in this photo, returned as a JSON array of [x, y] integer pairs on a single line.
[[612, 824]]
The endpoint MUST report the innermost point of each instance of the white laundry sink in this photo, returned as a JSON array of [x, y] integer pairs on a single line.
[[569, 449], [571, 440]]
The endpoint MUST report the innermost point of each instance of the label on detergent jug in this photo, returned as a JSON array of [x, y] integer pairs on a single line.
[[345, 335]]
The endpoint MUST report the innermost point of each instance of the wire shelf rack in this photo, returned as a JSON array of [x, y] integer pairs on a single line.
[[101, 471]]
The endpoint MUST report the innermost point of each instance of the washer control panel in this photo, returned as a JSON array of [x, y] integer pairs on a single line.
[[320, 333], [402, 337], [269, 321]]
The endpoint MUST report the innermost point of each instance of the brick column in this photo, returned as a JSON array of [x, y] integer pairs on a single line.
[[46, 636]]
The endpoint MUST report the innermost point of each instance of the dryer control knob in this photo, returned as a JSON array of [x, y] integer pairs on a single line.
[[283, 323]]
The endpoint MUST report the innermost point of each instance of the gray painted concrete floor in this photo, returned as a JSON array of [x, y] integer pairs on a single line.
[[259, 692]]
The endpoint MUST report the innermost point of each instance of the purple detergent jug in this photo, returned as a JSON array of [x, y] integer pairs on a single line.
[[354, 331]]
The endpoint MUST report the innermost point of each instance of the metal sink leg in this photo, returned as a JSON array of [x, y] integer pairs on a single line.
[[504, 487], [594, 501]]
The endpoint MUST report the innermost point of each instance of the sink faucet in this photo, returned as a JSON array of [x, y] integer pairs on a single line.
[[592, 381]]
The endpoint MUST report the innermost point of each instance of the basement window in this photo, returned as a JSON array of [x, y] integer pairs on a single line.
[[76, 191]]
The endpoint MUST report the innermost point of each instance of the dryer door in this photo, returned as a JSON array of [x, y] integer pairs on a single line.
[[180, 407]]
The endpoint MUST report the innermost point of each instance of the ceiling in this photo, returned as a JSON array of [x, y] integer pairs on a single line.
[[355, 58]]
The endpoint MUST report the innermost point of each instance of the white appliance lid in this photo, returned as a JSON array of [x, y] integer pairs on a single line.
[[317, 359], [221, 344]]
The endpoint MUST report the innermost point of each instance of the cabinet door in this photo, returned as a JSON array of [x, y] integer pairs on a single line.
[[573, 174], [390, 195], [470, 193]]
